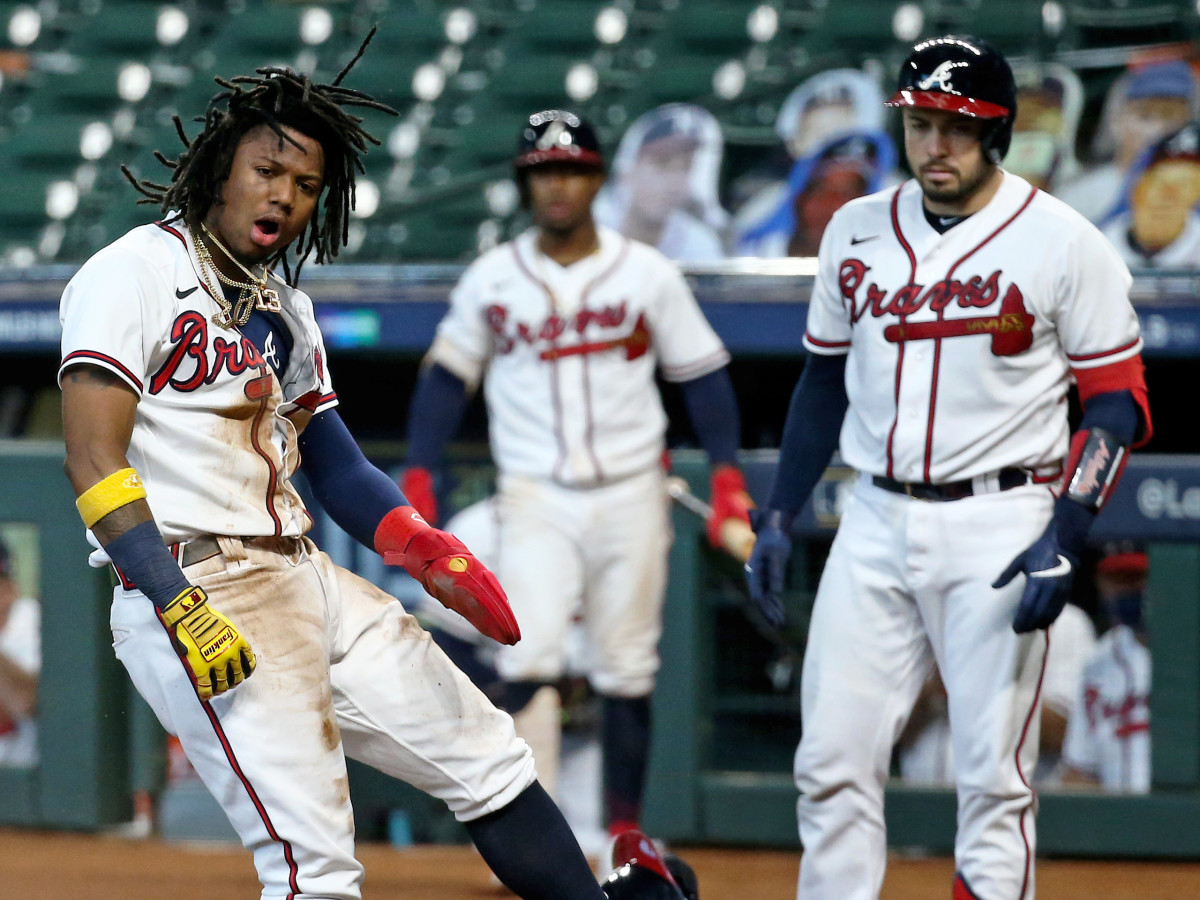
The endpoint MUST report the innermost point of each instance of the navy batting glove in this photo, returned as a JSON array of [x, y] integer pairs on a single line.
[[1049, 570], [767, 564]]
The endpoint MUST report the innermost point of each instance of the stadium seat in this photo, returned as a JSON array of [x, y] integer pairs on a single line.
[[713, 27], [558, 26], [1013, 26], [48, 143], [124, 29], [82, 84], [1099, 23]]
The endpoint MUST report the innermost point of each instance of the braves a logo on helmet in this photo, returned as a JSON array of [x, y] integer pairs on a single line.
[[552, 136], [939, 78]]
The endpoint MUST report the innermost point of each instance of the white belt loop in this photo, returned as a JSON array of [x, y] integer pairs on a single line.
[[231, 548]]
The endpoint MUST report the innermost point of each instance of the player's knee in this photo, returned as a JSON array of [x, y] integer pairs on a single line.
[[516, 695], [626, 682]]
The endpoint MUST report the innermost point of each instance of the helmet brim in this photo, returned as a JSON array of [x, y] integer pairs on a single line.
[[964, 106], [576, 155]]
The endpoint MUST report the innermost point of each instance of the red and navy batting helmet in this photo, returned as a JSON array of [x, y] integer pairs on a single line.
[[558, 136], [640, 872], [964, 75]]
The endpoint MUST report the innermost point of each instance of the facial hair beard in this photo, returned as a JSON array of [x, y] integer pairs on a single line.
[[965, 191]]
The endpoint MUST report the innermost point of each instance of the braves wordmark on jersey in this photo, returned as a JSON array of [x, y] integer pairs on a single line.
[[570, 354]]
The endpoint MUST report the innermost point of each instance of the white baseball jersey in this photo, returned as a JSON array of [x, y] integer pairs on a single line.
[[212, 441], [1108, 734], [961, 344], [21, 644], [570, 354]]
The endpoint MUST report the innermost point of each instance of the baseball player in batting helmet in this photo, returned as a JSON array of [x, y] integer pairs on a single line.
[[567, 328], [949, 319]]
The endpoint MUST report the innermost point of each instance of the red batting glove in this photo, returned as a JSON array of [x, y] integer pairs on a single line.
[[417, 486], [728, 499], [448, 572]]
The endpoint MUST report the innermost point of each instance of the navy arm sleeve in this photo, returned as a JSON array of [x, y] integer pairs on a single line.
[[810, 434], [355, 494], [713, 410], [437, 408]]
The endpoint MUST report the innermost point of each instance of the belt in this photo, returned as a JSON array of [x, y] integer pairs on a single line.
[[1004, 480], [197, 550], [207, 546]]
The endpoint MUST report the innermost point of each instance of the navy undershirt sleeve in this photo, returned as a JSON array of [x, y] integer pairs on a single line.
[[355, 494], [810, 434], [1116, 412], [437, 408], [713, 411]]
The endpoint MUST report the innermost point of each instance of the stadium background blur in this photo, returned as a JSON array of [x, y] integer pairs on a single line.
[[86, 85]]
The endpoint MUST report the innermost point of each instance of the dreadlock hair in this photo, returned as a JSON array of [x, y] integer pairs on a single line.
[[277, 98]]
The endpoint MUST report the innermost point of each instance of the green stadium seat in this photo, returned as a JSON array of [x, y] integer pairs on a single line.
[[1102, 23], [86, 84], [417, 236], [713, 26], [558, 26], [124, 29], [527, 83], [48, 142], [1013, 26], [862, 27]]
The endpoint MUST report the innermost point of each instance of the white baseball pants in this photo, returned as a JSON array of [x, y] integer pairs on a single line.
[[342, 671], [908, 582], [598, 552]]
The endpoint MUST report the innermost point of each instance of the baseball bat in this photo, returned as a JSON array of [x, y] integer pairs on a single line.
[[737, 538]]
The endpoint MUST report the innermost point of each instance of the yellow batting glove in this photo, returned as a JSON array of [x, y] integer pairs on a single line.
[[209, 644]]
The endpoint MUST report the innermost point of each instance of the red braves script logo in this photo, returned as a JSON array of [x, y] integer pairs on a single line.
[[1011, 329], [189, 334], [509, 334], [1131, 713]]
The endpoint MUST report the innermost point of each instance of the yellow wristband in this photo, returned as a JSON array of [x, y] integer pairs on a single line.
[[117, 490]]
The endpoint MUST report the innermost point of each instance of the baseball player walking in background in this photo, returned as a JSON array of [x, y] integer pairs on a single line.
[[569, 323], [948, 319], [193, 381]]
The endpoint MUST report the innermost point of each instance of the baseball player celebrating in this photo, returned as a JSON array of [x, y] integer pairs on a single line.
[[948, 318], [570, 322], [194, 381]]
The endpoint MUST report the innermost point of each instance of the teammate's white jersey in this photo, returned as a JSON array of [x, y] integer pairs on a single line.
[[570, 354], [1108, 733], [211, 440], [961, 344]]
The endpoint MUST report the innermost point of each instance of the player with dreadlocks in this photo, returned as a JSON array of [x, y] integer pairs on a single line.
[[194, 382]]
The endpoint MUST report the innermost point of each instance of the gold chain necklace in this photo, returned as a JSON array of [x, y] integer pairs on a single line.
[[253, 294]]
